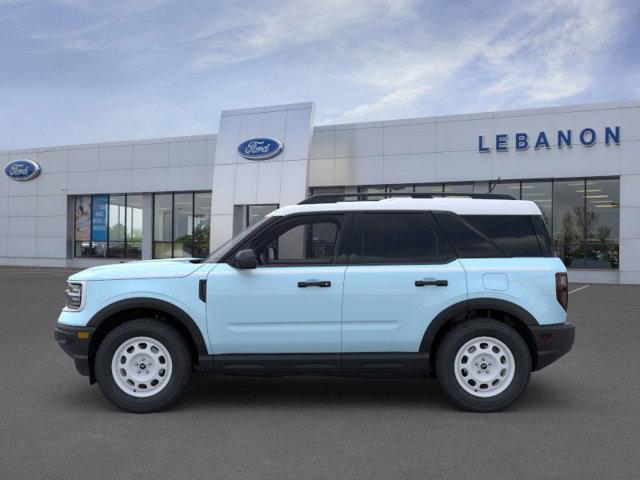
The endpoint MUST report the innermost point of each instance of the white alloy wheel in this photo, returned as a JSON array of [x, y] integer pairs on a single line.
[[484, 367], [141, 367]]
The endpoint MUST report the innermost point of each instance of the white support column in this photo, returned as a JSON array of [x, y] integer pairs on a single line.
[[279, 180]]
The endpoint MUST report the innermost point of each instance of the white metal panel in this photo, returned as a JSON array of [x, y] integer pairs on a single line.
[[150, 155]]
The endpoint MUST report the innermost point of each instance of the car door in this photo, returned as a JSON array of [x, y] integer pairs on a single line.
[[291, 303], [401, 274]]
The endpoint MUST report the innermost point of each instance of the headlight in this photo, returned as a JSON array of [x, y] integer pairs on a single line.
[[75, 295]]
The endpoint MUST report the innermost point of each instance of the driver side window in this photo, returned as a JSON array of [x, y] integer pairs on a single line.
[[305, 241]]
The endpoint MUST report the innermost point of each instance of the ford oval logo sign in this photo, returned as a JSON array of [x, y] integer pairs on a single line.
[[260, 148], [22, 170]]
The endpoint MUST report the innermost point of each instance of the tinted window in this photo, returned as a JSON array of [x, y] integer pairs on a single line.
[[544, 239], [466, 241], [514, 234], [401, 238], [303, 241]]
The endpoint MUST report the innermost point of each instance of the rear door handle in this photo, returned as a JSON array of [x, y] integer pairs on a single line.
[[314, 283], [431, 281]]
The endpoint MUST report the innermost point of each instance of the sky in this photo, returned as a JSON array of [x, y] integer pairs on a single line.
[[80, 71]]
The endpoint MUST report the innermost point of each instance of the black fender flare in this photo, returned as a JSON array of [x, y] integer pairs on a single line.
[[461, 310], [154, 304]]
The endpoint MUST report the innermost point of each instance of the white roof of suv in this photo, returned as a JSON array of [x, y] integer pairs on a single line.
[[459, 205]]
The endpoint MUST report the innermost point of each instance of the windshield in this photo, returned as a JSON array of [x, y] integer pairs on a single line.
[[222, 250]]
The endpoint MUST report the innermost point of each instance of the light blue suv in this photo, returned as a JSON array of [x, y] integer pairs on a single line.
[[464, 288]]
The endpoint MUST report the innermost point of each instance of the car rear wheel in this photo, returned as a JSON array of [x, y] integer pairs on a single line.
[[483, 365], [143, 365]]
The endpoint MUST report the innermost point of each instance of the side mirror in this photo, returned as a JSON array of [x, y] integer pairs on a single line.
[[245, 259]]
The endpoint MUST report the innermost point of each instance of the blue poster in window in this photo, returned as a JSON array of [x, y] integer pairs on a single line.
[[99, 218]]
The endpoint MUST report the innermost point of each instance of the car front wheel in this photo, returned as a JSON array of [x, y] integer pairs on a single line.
[[483, 365], [143, 365]]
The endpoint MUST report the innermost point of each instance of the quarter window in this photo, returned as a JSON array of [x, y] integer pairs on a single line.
[[514, 234]]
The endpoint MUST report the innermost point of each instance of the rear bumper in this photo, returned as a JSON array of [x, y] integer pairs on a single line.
[[552, 342], [74, 345]]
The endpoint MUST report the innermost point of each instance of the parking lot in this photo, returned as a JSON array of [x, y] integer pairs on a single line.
[[579, 418]]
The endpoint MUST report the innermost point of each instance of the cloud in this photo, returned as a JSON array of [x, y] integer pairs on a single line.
[[541, 53], [125, 69], [289, 24], [555, 63]]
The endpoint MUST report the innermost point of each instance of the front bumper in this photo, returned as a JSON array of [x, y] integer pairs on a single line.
[[75, 343], [552, 342]]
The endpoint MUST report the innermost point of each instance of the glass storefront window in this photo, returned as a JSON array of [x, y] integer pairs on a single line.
[[506, 188], [257, 212], [116, 226], [108, 226], [603, 223], [162, 225], [201, 224], [480, 187], [374, 189], [400, 188], [540, 192], [82, 226], [134, 227], [569, 221], [458, 187], [435, 188], [583, 215], [182, 224]]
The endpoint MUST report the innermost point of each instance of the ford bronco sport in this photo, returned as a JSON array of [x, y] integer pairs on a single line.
[[466, 289]]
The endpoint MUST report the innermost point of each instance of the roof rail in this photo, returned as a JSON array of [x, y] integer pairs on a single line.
[[338, 197]]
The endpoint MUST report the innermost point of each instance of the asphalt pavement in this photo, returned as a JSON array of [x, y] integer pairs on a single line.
[[579, 418]]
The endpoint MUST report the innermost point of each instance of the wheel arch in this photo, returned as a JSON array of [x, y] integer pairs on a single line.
[[121, 311], [502, 310]]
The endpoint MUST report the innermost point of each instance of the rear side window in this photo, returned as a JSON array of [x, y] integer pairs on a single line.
[[514, 234], [542, 232], [467, 241], [400, 238], [474, 236]]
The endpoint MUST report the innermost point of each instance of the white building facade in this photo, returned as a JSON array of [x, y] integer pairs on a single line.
[[82, 205]]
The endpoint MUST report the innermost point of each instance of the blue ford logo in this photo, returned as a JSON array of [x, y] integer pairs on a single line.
[[22, 170], [260, 148]]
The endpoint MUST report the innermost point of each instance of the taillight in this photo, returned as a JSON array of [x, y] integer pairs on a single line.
[[562, 289]]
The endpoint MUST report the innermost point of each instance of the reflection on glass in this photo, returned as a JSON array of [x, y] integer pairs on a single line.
[[458, 188], [162, 225], [400, 188], [602, 223], [374, 189], [569, 221], [182, 224], [541, 194], [117, 218], [201, 224], [568, 211], [257, 212], [480, 187], [434, 188], [134, 227], [82, 226], [506, 188]]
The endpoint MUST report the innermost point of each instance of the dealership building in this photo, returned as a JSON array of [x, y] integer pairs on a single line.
[[83, 205]]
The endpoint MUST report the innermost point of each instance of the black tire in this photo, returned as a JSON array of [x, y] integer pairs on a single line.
[[177, 348], [456, 338]]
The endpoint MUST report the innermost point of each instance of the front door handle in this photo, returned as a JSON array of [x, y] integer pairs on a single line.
[[314, 283], [431, 281]]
